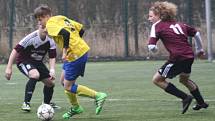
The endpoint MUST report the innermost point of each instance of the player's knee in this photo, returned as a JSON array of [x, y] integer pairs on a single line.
[[50, 83], [183, 80], [67, 88], [34, 74], [155, 80], [68, 85]]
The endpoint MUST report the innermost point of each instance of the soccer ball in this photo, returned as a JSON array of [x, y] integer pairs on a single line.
[[45, 112]]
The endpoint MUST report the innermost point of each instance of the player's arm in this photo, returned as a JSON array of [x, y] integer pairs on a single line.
[[8, 70], [198, 45], [198, 40], [52, 58], [153, 40], [66, 35], [52, 62]]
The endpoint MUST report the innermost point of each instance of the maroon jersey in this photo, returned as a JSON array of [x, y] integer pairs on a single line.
[[174, 36], [33, 49]]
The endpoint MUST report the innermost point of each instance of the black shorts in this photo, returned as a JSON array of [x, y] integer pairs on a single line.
[[171, 70], [25, 67]]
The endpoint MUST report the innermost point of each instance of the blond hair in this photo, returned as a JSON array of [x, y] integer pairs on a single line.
[[166, 10]]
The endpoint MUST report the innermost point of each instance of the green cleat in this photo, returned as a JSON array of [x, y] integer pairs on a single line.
[[100, 99], [26, 107], [73, 111]]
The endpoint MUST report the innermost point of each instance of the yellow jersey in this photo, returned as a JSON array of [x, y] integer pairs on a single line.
[[77, 46]]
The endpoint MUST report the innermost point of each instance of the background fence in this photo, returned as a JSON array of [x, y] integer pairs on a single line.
[[114, 28]]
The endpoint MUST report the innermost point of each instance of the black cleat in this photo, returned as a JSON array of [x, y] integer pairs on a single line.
[[198, 106], [54, 105], [186, 103]]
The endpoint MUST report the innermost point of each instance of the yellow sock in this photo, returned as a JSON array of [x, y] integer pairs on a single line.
[[85, 91], [72, 98]]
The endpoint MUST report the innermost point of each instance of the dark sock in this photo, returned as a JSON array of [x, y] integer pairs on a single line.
[[197, 95], [48, 92], [29, 89], [171, 89]]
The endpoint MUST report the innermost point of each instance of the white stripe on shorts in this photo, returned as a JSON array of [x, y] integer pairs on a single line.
[[24, 68], [166, 70]]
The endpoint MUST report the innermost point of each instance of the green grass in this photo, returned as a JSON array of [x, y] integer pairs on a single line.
[[131, 94]]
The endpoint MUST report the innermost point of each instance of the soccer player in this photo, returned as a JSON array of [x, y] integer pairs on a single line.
[[174, 36], [29, 54], [67, 34]]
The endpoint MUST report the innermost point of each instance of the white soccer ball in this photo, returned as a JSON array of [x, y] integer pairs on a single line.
[[45, 112]]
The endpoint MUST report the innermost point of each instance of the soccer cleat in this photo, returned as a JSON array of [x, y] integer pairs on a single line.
[[26, 107], [100, 99], [198, 106], [72, 112], [186, 103]]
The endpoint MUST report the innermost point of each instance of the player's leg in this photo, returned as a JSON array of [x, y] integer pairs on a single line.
[[82, 90], [186, 67], [76, 107], [88, 92], [168, 87], [71, 96], [32, 73], [72, 89], [49, 85], [48, 90], [72, 71], [194, 90], [62, 77], [169, 70]]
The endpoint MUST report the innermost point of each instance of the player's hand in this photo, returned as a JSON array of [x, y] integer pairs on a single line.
[[64, 57], [201, 54], [153, 48], [8, 73], [52, 74]]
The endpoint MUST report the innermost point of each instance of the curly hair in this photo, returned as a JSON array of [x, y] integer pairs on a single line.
[[166, 10]]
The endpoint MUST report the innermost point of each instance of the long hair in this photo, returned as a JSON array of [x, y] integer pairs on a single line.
[[166, 10]]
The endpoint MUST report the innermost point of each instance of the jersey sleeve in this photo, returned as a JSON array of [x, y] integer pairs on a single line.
[[52, 51], [153, 36], [19, 48], [53, 27], [77, 25], [25, 42]]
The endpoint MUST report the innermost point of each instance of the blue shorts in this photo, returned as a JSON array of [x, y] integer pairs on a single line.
[[75, 68]]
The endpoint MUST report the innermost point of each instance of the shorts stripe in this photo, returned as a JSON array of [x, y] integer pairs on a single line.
[[166, 70], [24, 68]]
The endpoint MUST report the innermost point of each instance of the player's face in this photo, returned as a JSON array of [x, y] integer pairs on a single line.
[[42, 20], [153, 18], [42, 32]]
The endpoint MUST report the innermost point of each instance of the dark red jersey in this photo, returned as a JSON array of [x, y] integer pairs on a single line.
[[33, 49], [174, 36]]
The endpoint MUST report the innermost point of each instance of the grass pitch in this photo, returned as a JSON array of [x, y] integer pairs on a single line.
[[131, 94]]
